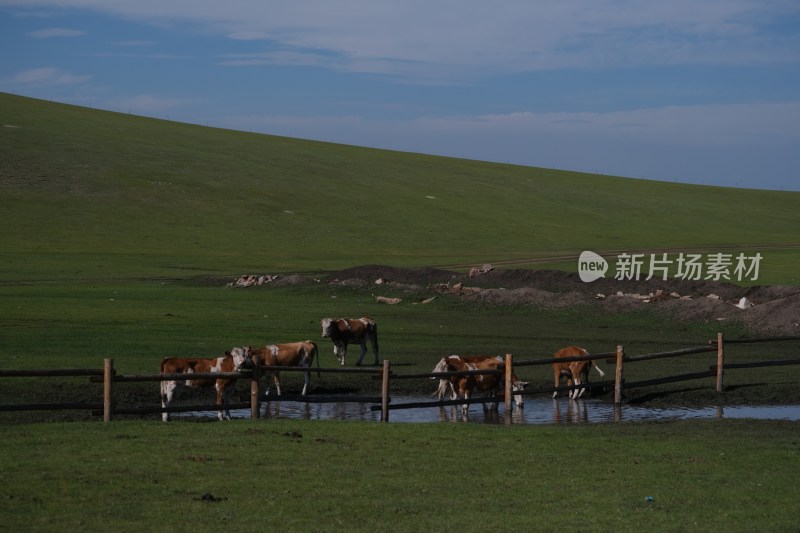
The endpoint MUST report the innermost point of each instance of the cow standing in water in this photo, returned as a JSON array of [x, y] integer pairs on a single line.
[[576, 372], [344, 331], [288, 354], [232, 361], [463, 386]]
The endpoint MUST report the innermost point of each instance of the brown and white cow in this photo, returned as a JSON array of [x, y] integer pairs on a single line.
[[343, 331], [463, 386], [576, 372], [194, 365], [288, 354]]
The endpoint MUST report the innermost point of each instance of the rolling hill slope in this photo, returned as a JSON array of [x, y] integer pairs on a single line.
[[91, 194]]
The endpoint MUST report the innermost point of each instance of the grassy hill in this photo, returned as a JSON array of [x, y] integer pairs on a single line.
[[90, 194], [97, 206]]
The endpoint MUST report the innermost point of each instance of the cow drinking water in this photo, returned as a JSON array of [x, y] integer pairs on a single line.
[[576, 372], [463, 386], [344, 331], [196, 365]]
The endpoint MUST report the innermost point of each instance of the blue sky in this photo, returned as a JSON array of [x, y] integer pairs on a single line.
[[693, 91]]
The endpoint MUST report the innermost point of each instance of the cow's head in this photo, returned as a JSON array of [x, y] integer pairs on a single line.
[[518, 385], [441, 366], [242, 357], [327, 326]]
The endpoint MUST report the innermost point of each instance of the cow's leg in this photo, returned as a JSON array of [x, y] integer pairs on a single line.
[[220, 399], [493, 405], [167, 391], [464, 393], [224, 399], [307, 380], [363, 344], [570, 383], [374, 340], [277, 379], [340, 350], [584, 381], [579, 382], [267, 385], [557, 380]]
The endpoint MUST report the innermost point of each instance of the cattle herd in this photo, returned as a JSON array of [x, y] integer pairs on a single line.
[[345, 331]]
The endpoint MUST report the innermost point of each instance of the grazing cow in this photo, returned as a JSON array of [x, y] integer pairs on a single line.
[[576, 372], [193, 365], [289, 354], [343, 331], [462, 386]]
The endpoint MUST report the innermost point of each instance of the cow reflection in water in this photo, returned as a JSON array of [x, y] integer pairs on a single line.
[[294, 410], [453, 413], [575, 412], [317, 411]]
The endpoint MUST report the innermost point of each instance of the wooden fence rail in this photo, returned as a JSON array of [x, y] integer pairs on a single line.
[[55, 372], [108, 376]]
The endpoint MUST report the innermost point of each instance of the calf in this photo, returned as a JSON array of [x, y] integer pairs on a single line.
[[194, 365], [576, 372], [462, 386], [343, 331], [289, 354]]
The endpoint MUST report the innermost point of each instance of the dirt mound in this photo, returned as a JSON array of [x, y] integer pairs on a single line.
[[528, 296], [770, 309], [409, 276], [779, 316]]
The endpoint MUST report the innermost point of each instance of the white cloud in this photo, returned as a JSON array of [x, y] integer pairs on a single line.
[[50, 33], [248, 36], [135, 44], [698, 125], [144, 104], [468, 38], [723, 144], [48, 76], [278, 57], [701, 125]]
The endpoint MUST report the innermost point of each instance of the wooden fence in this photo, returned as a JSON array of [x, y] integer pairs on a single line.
[[109, 378]]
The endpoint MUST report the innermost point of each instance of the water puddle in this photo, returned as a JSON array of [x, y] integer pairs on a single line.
[[536, 411]]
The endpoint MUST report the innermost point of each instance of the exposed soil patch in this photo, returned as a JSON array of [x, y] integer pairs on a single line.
[[773, 309], [768, 309]]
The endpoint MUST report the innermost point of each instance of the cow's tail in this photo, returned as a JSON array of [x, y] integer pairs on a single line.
[[372, 326], [599, 371], [315, 355], [441, 390]]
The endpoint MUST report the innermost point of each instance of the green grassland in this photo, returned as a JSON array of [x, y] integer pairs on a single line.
[[357, 476], [96, 195], [116, 235]]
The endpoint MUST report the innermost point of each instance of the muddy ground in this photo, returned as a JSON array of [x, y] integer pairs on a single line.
[[771, 309]]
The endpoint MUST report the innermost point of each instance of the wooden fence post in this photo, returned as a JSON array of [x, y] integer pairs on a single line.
[[387, 366], [618, 376], [720, 361], [255, 397], [108, 389], [509, 384]]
